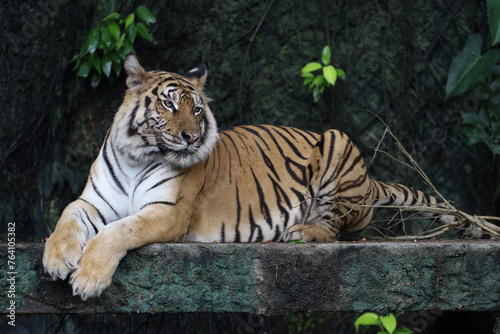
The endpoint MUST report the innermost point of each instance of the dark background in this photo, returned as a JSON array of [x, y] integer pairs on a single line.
[[396, 55]]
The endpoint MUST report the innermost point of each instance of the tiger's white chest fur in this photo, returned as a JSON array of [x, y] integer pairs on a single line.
[[119, 189]]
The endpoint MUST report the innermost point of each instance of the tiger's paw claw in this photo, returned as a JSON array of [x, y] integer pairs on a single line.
[[61, 256], [94, 272], [87, 283]]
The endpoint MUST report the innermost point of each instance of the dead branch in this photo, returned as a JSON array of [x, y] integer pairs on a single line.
[[444, 208]]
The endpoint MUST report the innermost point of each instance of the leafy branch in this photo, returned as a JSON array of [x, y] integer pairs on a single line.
[[470, 68], [328, 77], [107, 44]]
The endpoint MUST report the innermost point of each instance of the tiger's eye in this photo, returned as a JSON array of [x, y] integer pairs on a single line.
[[197, 111], [168, 105]]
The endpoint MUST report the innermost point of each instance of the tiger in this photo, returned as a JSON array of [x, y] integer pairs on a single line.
[[165, 173]]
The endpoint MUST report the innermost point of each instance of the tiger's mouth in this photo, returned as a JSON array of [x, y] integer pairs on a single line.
[[180, 151], [180, 158]]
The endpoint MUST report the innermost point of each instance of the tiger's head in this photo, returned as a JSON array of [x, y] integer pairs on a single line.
[[165, 116]]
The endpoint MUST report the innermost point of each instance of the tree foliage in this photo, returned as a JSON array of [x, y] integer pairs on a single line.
[[469, 68], [108, 44]]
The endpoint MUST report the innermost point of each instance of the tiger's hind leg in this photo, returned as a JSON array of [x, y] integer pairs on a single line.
[[337, 184]]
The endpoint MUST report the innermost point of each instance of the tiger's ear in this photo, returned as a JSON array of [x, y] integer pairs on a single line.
[[136, 75], [197, 75]]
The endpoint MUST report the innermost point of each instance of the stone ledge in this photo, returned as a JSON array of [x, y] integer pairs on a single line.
[[275, 278]]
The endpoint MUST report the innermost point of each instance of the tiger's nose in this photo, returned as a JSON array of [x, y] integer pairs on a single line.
[[189, 137]]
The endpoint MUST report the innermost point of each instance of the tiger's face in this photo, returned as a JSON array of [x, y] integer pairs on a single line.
[[166, 115], [173, 115]]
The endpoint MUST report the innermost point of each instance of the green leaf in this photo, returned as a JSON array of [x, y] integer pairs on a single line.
[[78, 63], [479, 119], [106, 37], [469, 68], [318, 81], [297, 241], [494, 113], [476, 127], [366, 319], [92, 41], [132, 32], [117, 67], [95, 78], [389, 322], [95, 62], [106, 64], [129, 20], [119, 43], [127, 48], [330, 74], [494, 20], [116, 57], [74, 58], [495, 148], [114, 29], [311, 67], [84, 70], [476, 135], [309, 77], [308, 80], [101, 45], [484, 127], [145, 15], [144, 32], [316, 94], [403, 330], [340, 73], [84, 48], [109, 47], [326, 55], [112, 16], [123, 51]]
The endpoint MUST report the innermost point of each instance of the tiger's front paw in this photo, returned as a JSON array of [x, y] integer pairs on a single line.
[[95, 270], [63, 251]]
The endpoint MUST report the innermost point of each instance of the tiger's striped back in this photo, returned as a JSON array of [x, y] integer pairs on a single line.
[[280, 183], [254, 184]]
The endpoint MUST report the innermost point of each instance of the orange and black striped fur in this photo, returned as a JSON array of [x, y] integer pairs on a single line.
[[164, 174]]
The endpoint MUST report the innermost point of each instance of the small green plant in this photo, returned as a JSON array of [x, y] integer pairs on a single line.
[[328, 77], [297, 323], [386, 324], [107, 44], [470, 68]]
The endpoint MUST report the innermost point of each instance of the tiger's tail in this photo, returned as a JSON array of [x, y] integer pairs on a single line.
[[394, 194]]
